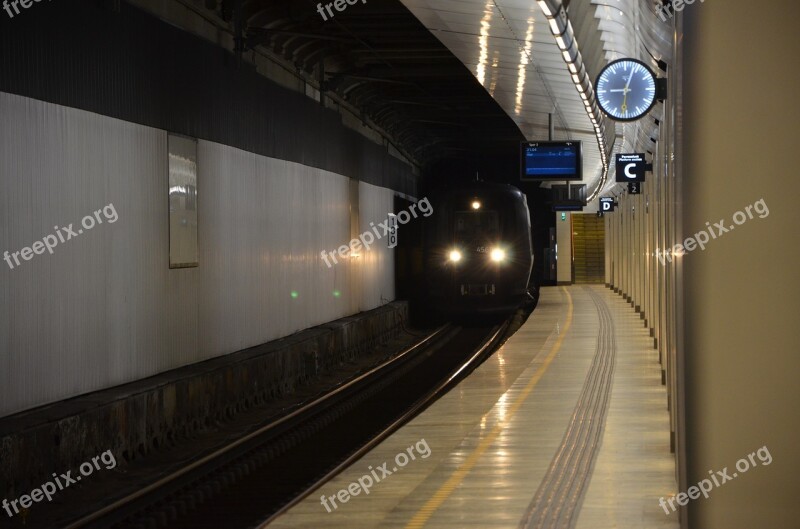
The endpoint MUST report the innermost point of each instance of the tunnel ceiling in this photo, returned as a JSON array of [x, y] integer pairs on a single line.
[[510, 49], [381, 60], [509, 46]]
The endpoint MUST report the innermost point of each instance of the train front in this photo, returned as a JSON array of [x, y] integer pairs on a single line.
[[479, 254]]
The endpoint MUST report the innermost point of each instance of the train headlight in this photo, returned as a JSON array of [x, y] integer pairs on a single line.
[[476, 205], [455, 256], [498, 255]]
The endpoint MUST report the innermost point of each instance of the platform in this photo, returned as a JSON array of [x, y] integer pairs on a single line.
[[565, 426]]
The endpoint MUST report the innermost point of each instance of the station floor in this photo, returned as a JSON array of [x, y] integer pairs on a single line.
[[566, 426]]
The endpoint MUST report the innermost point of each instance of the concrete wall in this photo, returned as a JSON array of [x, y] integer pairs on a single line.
[[639, 266], [134, 420], [742, 294]]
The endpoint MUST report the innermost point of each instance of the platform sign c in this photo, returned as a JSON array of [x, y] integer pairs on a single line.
[[631, 167]]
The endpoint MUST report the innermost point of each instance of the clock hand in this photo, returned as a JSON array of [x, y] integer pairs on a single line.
[[626, 90]]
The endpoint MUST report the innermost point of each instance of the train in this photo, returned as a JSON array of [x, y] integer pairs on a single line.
[[478, 251]]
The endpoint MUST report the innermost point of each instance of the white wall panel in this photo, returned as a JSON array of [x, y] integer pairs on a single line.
[[105, 308], [263, 224], [100, 310]]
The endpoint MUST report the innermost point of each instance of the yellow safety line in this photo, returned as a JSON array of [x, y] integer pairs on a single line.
[[444, 492]]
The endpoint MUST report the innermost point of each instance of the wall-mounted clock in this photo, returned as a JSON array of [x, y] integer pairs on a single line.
[[626, 89]]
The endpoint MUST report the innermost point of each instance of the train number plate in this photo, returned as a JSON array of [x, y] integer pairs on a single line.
[[477, 290]]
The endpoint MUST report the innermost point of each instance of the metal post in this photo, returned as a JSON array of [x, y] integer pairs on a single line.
[[552, 133], [238, 32], [321, 81]]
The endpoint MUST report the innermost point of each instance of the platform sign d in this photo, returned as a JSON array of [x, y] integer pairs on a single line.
[[392, 230], [607, 204], [634, 188], [631, 167]]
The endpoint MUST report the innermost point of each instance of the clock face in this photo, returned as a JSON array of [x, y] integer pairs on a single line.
[[626, 89]]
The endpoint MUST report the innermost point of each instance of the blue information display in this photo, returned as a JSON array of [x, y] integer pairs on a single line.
[[551, 160]]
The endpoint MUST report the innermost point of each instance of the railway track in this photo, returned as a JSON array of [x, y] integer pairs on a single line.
[[253, 479]]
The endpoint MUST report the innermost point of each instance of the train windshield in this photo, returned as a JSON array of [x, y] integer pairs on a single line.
[[477, 225]]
